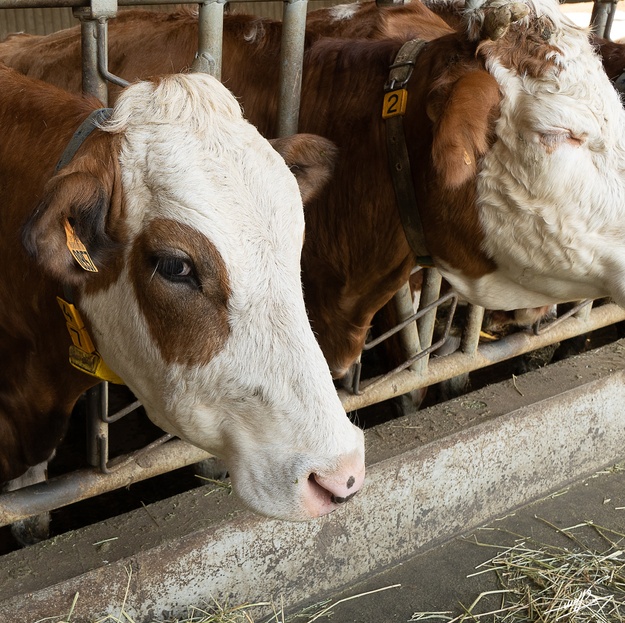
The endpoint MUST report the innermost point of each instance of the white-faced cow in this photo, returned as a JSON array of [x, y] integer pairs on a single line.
[[515, 138], [195, 226]]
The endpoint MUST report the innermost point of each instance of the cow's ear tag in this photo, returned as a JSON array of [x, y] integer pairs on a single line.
[[78, 249]]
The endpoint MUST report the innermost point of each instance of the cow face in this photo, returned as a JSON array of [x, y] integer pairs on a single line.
[[196, 225], [551, 189]]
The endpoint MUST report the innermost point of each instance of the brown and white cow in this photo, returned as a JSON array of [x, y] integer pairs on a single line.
[[515, 141], [195, 225]]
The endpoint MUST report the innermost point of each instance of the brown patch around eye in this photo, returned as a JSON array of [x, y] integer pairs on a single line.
[[188, 320]]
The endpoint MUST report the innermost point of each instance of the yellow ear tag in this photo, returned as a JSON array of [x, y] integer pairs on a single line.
[[78, 249], [467, 158], [82, 352]]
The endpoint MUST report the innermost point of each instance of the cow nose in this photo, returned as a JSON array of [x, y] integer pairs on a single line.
[[340, 489]]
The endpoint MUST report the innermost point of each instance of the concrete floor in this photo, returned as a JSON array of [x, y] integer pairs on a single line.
[[437, 580]]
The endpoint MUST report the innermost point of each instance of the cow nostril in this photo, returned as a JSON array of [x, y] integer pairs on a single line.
[[350, 482]]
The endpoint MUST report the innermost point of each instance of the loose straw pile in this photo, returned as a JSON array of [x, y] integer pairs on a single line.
[[549, 584]]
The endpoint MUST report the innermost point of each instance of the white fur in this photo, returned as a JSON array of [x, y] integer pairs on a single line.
[[266, 402], [553, 222], [340, 12]]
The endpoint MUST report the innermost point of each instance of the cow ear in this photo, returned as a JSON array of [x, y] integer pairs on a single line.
[[463, 119], [74, 208], [311, 159]]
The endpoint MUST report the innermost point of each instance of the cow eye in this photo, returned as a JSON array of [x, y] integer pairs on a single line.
[[176, 270]]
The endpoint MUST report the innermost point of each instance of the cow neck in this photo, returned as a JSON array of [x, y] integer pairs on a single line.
[[82, 351], [393, 109]]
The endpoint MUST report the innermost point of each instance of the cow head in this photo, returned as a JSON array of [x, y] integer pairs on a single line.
[[550, 190], [196, 226]]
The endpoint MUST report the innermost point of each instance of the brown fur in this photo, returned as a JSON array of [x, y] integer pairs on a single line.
[[461, 139], [612, 54], [399, 21], [198, 318], [355, 255], [523, 48], [38, 387]]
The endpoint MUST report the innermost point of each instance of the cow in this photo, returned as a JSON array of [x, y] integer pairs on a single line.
[[499, 187], [165, 254]]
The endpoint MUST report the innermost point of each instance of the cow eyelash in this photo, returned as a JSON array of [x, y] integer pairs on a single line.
[[176, 270]]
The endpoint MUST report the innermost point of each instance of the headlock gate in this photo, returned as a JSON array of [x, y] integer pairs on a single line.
[[417, 327]]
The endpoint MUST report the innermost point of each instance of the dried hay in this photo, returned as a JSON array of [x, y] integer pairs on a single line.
[[548, 584], [218, 613]]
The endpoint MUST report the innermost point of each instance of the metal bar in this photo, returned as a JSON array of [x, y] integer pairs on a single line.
[[97, 428], [471, 334], [602, 17], [92, 82], [86, 483], [430, 293], [291, 63], [581, 311], [422, 353], [487, 354], [210, 38], [409, 335], [109, 419], [102, 45]]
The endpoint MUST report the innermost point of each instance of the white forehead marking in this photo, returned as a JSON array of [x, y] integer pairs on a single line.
[[341, 12], [225, 179]]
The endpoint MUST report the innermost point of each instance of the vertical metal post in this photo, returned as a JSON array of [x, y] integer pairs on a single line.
[[602, 17], [210, 38], [97, 429], [291, 63], [430, 292], [93, 24], [471, 334], [409, 335], [98, 11], [92, 82]]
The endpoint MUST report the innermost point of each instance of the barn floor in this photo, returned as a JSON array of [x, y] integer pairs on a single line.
[[437, 581], [432, 476]]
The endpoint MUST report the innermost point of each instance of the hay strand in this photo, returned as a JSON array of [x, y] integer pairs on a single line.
[[549, 584]]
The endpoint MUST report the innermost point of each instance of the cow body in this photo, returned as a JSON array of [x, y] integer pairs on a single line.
[[498, 128], [195, 225]]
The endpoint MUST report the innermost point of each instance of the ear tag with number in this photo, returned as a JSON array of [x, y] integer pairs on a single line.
[[78, 249], [394, 103]]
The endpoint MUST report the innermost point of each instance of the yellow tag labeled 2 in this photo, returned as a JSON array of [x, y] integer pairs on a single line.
[[394, 103], [78, 249]]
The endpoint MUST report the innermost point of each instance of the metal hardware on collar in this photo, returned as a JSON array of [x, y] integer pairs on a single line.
[[403, 66], [92, 122], [393, 109], [82, 353]]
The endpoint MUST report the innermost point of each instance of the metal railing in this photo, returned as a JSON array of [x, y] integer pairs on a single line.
[[416, 329]]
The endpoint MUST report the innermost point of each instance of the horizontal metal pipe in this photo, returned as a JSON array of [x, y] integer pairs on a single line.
[[83, 484], [372, 392], [86, 483]]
